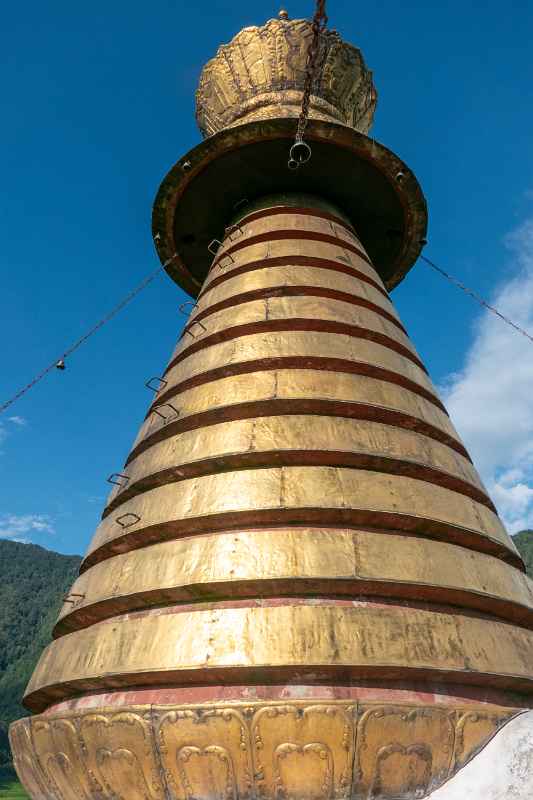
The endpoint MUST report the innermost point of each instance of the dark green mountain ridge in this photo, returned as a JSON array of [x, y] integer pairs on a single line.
[[32, 582]]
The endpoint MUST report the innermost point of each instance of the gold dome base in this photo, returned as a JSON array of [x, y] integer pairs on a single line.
[[302, 750]]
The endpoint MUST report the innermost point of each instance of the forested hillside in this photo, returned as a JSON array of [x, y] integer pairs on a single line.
[[524, 542], [32, 583]]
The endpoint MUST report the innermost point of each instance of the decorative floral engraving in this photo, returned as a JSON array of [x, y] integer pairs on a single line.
[[260, 74], [323, 730], [324, 750], [205, 753], [401, 751]]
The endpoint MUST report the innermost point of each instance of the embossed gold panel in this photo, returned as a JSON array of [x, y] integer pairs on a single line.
[[290, 344], [273, 276], [302, 750], [205, 753], [299, 437], [291, 488], [320, 640], [294, 251], [301, 385], [260, 74], [288, 309], [303, 561]]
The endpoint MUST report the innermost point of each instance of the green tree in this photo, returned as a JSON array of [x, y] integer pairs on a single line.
[[32, 582], [524, 543]]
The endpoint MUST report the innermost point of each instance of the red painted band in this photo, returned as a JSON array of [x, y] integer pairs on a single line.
[[296, 235], [384, 691], [294, 324], [317, 588], [235, 462], [300, 211], [296, 406], [301, 290], [319, 363], [371, 519], [289, 261]]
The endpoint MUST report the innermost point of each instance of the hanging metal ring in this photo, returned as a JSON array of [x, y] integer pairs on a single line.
[[300, 153]]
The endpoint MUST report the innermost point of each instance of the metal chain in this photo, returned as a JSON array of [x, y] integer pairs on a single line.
[[300, 152]]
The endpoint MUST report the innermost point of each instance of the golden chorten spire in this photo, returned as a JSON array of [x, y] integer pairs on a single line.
[[299, 587]]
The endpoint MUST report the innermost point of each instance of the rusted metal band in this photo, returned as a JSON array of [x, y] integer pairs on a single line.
[[38, 701], [466, 697], [299, 362], [337, 658], [379, 521], [279, 458], [292, 406], [302, 290], [289, 261], [301, 211], [296, 235], [285, 587], [296, 324]]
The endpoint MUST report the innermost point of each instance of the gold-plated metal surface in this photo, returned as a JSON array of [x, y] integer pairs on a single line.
[[300, 495], [260, 74], [296, 250], [295, 276], [224, 396], [311, 750], [303, 439], [277, 223], [283, 641], [199, 196], [301, 528], [256, 349], [306, 308], [302, 562]]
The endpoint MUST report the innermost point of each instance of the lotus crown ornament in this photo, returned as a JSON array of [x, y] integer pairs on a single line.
[[260, 75]]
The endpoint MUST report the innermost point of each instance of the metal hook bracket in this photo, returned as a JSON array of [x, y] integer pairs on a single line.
[[214, 246], [193, 323], [240, 203], [120, 520], [182, 307], [114, 475], [156, 389], [67, 597], [155, 410], [230, 230], [221, 261]]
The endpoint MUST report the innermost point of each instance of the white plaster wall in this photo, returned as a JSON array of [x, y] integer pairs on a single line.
[[503, 770]]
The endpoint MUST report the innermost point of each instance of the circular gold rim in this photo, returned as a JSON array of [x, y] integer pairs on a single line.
[[182, 178]]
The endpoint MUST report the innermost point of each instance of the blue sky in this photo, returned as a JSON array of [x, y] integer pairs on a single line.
[[98, 103]]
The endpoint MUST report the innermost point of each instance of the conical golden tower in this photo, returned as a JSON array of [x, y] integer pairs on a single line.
[[299, 589]]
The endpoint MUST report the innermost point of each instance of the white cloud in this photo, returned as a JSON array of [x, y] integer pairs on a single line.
[[14, 526], [491, 399], [5, 429], [18, 420]]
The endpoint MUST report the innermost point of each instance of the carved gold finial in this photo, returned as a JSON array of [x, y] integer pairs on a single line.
[[260, 74], [283, 14]]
